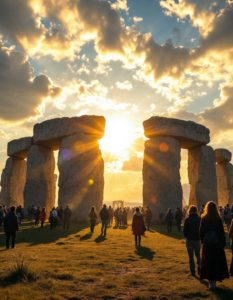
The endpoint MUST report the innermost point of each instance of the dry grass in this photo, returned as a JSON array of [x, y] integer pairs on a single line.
[[75, 264]]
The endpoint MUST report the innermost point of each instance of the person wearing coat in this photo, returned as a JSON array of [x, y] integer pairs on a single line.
[[11, 226], [93, 217], [124, 217], [138, 226], [43, 217], [178, 218], [37, 216], [67, 215], [230, 234], [169, 218], [148, 217], [193, 243], [213, 263]]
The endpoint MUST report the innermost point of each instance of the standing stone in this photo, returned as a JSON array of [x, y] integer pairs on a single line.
[[55, 186], [81, 177], [161, 175], [19, 147], [224, 172], [202, 175], [13, 181], [39, 187]]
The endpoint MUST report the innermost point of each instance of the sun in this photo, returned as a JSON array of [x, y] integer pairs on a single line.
[[119, 135]]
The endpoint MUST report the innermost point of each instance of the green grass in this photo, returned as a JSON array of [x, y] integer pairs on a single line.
[[74, 264]]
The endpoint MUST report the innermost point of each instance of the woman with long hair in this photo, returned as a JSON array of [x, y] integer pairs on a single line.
[[93, 217], [213, 263]]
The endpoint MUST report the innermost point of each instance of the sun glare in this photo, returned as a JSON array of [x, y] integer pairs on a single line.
[[119, 134]]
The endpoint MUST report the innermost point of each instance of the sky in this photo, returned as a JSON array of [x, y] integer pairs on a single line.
[[124, 60]]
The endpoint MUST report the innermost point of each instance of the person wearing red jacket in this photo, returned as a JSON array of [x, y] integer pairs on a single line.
[[138, 226], [43, 217]]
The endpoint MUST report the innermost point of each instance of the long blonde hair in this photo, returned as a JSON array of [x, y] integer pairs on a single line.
[[211, 212]]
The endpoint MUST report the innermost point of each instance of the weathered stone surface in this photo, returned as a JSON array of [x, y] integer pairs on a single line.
[[161, 175], [202, 175], [224, 172], [81, 177], [19, 148], [13, 181], [222, 155], [190, 134], [50, 133], [39, 187]]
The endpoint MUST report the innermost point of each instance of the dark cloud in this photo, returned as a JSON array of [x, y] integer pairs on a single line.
[[134, 164], [21, 93]]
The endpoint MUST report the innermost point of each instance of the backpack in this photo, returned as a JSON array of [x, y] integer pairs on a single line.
[[210, 238]]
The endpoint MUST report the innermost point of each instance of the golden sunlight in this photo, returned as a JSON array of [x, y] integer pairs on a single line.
[[119, 135]]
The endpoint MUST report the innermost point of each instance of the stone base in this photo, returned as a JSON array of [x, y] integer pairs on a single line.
[[81, 178], [161, 176], [202, 176]]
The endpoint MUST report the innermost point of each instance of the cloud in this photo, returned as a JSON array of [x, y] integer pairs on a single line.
[[138, 144], [95, 94], [22, 94], [137, 20], [134, 164], [3, 134], [126, 85]]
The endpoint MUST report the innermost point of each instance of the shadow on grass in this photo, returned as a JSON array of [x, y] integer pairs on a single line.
[[34, 235], [100, 238], [162, 229], [222, 293], [86, 237], [145, 253]]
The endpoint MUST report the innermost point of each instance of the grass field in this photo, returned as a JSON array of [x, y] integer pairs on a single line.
[[75, 264]]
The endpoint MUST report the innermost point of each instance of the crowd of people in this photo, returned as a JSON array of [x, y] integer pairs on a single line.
[[204, 227]]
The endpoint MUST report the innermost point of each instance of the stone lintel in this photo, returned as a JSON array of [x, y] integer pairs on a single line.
[[190, 134], [222, 155], [19, 148], [51, 132]]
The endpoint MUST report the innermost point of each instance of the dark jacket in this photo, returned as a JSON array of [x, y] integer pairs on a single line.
[[60, 213], [192, 226], [169, 217], [37, 213], [217, 226], [148, 215], [11, 223], [92, 215], [104, 214], [67, 212], [178, 215]]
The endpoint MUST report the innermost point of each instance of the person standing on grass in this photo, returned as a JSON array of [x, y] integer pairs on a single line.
[[213, 262], [104, 215], [116, 216], [178, 218], [93, 217], [111, 213], [53, 218], [120, 215], [227, 216], [43, 217], [37, 216], [19, 214], [230, 234], [148, 217], [124, 217], [138, 226], [33, 211], [67, 215], [60, 214], [193, 243], [11, 226], [2, 215], [169, 219]]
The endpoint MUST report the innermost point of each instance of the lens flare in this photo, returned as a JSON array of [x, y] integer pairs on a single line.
[[153, 200], [65, 154], [163, 147], [91, 181]]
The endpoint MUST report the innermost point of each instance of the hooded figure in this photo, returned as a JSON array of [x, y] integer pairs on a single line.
[[138, 226]]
